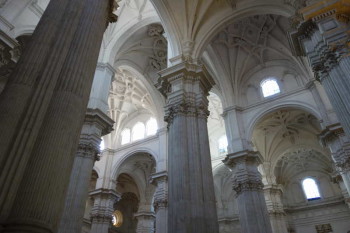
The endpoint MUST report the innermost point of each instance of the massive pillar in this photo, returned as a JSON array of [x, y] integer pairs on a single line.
[[160, 203], [96, 124], [322, 36], [247, 183], [42, 112], [339, 145], [191, 200], [102, 211]]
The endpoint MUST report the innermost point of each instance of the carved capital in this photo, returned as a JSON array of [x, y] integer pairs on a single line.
[[160, 179], [244, 185], [88, 150]]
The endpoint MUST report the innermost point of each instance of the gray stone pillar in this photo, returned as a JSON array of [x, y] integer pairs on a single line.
[[160, 203], [102, 211], [322, 36], [191, 200], [42, 112], [339, 145], [273, 194], [96, 124], [145, 222], [247, 182]]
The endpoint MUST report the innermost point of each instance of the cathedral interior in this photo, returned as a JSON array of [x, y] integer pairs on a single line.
[[175, 116]]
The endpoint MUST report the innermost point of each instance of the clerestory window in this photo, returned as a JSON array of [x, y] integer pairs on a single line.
[[311, 189], [270, 87]]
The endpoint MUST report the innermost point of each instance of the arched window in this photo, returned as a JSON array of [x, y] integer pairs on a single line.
[[269, 87], [223, 144], [311, 189], [125, 136], [151, 127], [138, 131]]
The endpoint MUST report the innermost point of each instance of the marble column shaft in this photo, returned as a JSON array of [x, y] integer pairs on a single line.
[[101, 212], [191, 200], [96, 124], [247, 183], [40, 198], [160, 203]]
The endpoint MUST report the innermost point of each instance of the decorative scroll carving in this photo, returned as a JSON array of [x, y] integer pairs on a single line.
[[88, 150], [158, 60], [186, 109]]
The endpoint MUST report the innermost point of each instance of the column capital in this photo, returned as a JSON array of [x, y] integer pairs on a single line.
[[104, 200], [331, 133], [186, 87], [247, 176], [242, 157], [100, 120], [160, 179]]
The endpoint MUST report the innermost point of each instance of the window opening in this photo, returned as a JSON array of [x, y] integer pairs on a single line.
[[311, 189], [270, 87]]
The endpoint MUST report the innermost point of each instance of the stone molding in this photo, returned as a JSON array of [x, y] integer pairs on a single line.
[[88, 150], [104, 200], [186, 87], [247, 176], [160, 179]]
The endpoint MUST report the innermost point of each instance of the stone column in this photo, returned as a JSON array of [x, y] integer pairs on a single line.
[[273, 194], [191, 205], [96, 124], [145, 222], [322, 36], [48, 124], [101, 212], [160, 203], [339, 144], [247, 183]]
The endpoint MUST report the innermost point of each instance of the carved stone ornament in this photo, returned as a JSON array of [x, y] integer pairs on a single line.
[[158, 60], [160, 204], [247, 185], [88, 150], [186, 109]]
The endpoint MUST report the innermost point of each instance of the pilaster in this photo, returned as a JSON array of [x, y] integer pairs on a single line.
[[273, 194], [247, 183], [160, 203], [339, 144]]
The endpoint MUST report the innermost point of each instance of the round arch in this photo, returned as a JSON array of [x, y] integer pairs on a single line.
[[285, 104], [126, 156]]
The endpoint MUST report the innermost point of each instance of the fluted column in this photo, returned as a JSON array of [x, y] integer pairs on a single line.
[[339, 145], [96, 124], [160, 203], [145, 222], [247, 183], [191, 200], [102, 211], [273, 194], [44, 147], [322, 36]]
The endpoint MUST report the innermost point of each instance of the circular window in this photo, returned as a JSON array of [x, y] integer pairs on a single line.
[[117, 220]]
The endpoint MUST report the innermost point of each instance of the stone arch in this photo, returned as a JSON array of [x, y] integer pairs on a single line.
[[282, 105]]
